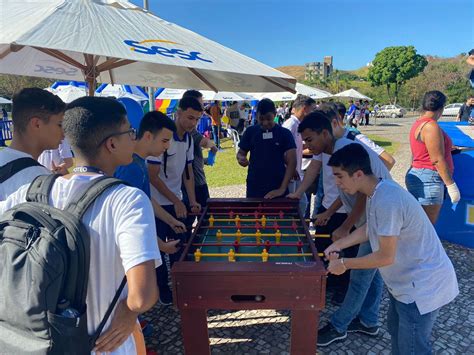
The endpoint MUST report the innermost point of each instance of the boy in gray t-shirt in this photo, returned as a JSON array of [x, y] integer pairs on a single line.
[[406, 249]]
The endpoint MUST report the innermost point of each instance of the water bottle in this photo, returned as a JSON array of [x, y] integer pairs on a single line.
[[70, 313], [211, 157]]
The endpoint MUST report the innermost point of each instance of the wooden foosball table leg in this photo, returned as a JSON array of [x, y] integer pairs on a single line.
[[194, 329], [304, 332]]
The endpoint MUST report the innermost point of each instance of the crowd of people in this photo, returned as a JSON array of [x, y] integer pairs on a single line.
[[381, 233]]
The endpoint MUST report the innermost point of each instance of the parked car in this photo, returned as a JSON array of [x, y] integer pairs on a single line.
[[391, 111], [452, 109]]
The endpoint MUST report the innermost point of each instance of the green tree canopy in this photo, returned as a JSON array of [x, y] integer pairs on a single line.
[[394, 66]]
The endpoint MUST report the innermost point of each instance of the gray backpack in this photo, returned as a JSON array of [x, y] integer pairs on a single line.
[[44, 273]]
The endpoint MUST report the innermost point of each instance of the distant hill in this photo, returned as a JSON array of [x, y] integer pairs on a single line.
[[448, 75], [296, 71]]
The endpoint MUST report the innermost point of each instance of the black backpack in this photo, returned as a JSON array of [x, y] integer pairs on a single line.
[[45, 255]]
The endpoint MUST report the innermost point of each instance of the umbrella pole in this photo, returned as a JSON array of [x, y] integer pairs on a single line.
[[91, 85]]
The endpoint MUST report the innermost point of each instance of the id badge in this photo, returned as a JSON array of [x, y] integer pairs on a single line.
[[268, 135]]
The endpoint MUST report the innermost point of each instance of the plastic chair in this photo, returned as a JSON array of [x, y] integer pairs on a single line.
[[235, 138]]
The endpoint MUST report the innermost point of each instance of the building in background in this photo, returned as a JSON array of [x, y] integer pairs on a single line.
[[319, 70]]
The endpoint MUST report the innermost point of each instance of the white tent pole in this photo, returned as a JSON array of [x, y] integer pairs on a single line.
[[151, 99]]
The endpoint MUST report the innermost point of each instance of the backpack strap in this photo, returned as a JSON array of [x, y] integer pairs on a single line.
[[15, 166], [93, 338], [79, 204], [40, 188]]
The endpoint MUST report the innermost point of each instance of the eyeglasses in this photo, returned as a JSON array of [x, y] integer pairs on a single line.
[[132, 132]]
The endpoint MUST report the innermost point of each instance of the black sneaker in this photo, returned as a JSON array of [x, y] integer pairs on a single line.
[[328, 334], [166, 298], [357, 326]]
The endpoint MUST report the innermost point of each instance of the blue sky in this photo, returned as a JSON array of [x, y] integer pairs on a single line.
[[293, 32]]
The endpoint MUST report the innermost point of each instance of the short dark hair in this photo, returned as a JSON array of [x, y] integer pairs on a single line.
[[330, 110], [265, 106], [316, 121], [433, 101], [34, 102], [471, 52], [351, 158], [154, 122], [89, 120], [192, 93], [303, 100], [341, 108], [190, 102]]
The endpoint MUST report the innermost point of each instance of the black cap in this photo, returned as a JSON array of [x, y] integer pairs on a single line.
[[471, 52]]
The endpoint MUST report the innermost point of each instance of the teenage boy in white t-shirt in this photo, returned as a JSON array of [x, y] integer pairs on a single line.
[[120, 222], [167, 173], [406, 249], [37, 117], [57, 160], [301, 107]]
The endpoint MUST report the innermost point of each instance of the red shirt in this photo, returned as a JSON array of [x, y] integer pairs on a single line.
[[421, 158]]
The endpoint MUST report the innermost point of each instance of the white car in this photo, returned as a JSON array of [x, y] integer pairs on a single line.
[[393, 111], [452, 109]]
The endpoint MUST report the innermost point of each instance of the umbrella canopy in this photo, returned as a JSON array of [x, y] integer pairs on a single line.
[[69, 93], [302, 89], [5, 101], [116, 42], [353, 94], [121, 91], [176, 94]]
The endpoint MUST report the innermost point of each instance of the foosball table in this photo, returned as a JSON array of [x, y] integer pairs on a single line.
[[250, 254]]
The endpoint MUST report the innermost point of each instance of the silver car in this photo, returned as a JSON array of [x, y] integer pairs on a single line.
[[392, 111], [452, 109]]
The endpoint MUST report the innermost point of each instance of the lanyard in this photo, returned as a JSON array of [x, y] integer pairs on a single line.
[[87, 169]]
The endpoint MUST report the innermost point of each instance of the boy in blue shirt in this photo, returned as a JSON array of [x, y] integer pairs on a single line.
[[271, 147], [153, 138]]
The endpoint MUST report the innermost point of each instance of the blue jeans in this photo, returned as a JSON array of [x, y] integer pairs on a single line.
[[362, 298], [215, 134], [409, 329]]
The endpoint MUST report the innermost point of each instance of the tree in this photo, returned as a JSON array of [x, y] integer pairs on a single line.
[[393, 66], [9, 84]]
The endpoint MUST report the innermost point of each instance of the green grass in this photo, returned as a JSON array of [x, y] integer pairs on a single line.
[[226, 171], [389, 146]]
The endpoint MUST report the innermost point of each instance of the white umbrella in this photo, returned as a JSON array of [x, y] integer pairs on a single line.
[[116, 42], [118, 91], [353, 94], [176, 94], [69, 93], [312, 92], [5, 101], [302, 89]]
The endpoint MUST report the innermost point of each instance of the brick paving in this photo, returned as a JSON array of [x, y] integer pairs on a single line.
[[268, 331]]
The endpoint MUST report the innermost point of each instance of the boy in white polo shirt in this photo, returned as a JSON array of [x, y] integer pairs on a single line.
[[120, 222], [406, 249], [37, 125], [167, 173]]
